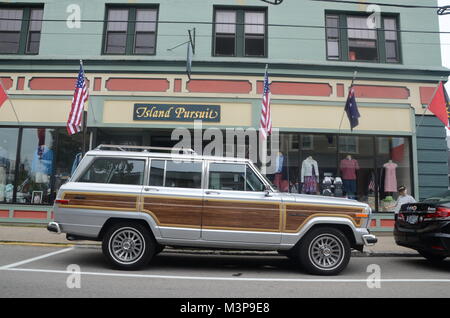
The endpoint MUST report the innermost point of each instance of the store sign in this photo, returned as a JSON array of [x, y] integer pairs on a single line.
[[176, 112]]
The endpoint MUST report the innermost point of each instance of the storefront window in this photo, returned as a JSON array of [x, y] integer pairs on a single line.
[[284, 170], [36, 166], [393, 170], [67, 158], [356, 167], [8, 152], [318, 169]]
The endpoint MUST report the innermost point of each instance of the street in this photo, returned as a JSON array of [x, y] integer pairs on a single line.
[[51, 271]]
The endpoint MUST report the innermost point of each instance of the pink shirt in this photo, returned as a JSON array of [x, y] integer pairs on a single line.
[[348, 169]]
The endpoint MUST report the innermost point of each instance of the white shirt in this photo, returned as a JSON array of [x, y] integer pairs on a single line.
[[403, 199], [307, 168]]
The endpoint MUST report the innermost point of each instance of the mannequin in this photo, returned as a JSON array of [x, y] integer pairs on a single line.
[[348, 167], [309, 175], [390, 178], [278, 170]]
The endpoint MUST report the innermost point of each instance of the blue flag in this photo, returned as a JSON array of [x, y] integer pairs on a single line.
[[352, 109]]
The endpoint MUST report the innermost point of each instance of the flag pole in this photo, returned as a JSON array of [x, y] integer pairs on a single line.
[[83, 119], [428, 105], [10, 101], [351, 85]]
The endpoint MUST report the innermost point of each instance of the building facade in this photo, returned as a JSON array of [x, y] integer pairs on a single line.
[[135, 54]]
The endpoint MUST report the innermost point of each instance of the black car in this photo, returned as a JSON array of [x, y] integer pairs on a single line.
[[425, 227]]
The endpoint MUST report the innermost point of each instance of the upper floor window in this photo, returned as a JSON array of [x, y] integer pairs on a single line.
[[20, 30], [240, 32], [349, 38], [130, 30]]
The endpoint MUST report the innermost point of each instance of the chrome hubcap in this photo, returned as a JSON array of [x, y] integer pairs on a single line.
[[127, 245], [326, 252]]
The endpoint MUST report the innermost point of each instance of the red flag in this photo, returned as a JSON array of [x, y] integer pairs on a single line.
[[438, 106], [3, 95]]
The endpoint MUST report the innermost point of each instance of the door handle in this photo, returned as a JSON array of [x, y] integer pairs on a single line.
[[212, 192], [150, 189]]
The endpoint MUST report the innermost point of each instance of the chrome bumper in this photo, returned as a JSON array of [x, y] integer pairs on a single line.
[[369, 239], [54, 227]]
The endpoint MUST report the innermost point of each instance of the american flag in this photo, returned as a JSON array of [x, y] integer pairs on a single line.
[[80, 97], [265, 126]]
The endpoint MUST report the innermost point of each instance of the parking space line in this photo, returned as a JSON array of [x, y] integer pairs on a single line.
[[10, 266], [237, 279]]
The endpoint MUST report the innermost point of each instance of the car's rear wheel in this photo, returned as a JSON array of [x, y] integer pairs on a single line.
[[128, 245], [324, 251], [434, 258]]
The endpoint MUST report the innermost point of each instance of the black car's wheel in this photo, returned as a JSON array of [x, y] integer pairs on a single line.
[[324, 251], [434, 258], [128, 245]]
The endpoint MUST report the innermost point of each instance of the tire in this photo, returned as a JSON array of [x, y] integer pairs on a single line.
[[324, 251], [128, 245], [433, 258]]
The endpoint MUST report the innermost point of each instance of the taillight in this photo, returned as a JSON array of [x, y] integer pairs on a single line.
[[401, 217], [440, 214], [62, 202]]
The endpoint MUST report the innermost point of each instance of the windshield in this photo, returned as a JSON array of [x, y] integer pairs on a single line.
[[441, 197]]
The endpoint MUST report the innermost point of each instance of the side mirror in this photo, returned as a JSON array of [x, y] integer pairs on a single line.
[[268, 191]]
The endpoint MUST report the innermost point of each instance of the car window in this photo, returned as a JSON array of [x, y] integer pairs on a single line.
[[227, 176], [253, 182], [115, 171], [176, 174], [157, 168]]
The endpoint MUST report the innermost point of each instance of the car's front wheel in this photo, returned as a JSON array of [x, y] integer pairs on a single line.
[[324, 251], [128, 245]]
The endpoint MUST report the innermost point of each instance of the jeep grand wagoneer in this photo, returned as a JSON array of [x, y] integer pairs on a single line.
[[136, 200]]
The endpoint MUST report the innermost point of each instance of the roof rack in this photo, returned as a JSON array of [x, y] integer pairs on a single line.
[[144, 148]]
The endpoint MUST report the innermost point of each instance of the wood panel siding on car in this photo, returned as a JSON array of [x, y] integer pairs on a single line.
[[298, 214], [241, 215], [98, 201], [174, 211]]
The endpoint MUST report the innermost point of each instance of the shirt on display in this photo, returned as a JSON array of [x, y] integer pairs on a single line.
[[42, 164], [348, 169], [309, 168]]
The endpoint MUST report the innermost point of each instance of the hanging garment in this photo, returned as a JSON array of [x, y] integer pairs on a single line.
[[390, 181], [310, 182], [310, 185], [309, 169], [348, 169]]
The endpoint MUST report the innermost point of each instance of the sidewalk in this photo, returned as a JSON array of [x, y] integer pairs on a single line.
[[19, 234]]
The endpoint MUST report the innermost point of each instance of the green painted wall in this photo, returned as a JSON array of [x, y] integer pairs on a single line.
[[286, 44], [432, 156]]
